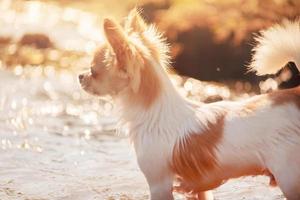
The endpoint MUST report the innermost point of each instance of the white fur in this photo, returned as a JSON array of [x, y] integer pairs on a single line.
[[267, 138], [264, 138], [276, 47], [154, 132]]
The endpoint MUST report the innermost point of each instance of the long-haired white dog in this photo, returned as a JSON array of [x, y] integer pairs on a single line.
[[200, 146]]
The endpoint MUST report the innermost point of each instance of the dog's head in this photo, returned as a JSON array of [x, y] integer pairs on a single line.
[[124, 63]]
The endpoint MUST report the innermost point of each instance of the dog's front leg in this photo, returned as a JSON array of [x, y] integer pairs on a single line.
[[161, 189], [160, 182], [158, 176]]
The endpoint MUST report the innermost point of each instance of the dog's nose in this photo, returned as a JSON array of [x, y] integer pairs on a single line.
[[80, 77]]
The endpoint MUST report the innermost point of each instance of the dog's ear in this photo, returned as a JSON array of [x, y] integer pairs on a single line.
[[135, 22], [127, 57], [117, 40]]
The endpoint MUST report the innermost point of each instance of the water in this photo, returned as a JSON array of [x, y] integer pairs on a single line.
[[57, 142]]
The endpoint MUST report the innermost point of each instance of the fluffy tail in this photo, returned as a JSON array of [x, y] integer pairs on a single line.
[[276, 47]]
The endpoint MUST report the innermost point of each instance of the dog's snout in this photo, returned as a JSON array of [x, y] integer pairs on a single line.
[[80, 77]]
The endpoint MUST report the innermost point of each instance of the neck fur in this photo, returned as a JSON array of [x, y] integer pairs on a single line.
[[167, 107]]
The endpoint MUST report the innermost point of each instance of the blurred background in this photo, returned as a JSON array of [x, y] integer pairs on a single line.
[[57, 142]]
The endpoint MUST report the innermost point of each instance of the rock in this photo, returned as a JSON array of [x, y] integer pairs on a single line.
[[37, 40]]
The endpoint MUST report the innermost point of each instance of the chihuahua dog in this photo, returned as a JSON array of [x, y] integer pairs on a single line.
[[199, 146]]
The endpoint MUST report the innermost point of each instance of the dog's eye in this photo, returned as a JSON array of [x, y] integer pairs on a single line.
[[93, 72]]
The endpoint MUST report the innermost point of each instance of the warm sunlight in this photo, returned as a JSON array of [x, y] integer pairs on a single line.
[[57, 141]]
